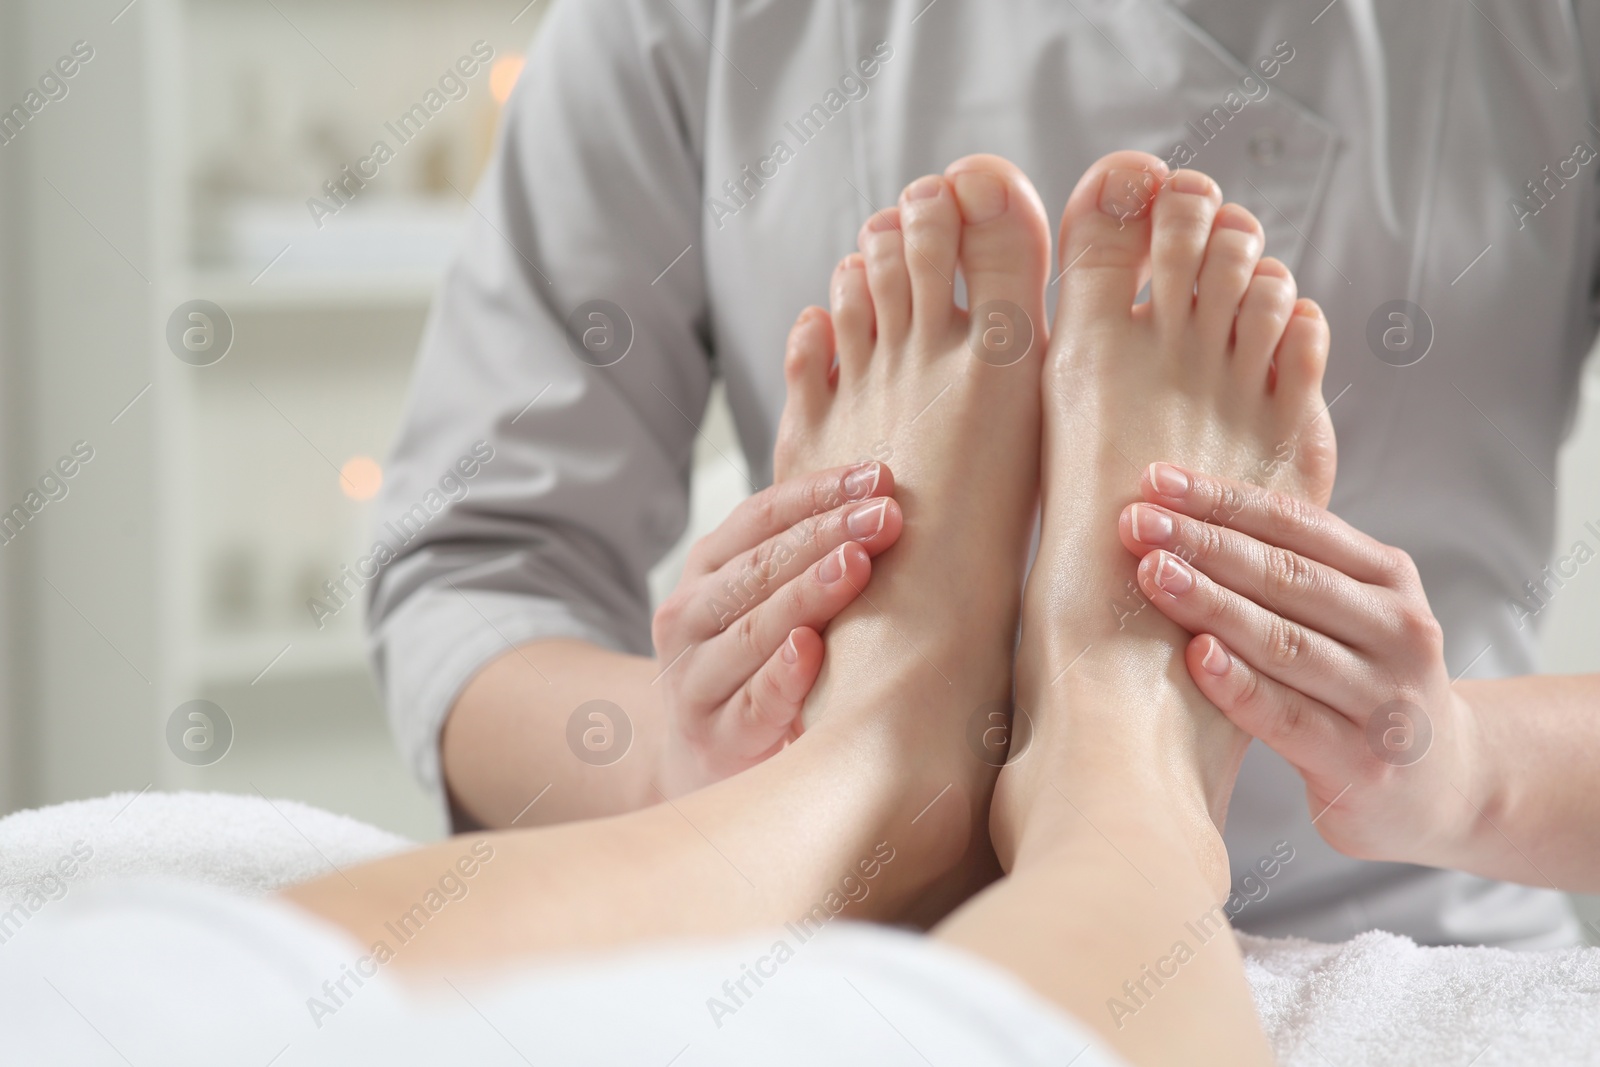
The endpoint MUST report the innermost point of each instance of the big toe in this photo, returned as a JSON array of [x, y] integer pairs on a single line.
[[1004, 253], [1105, 235]]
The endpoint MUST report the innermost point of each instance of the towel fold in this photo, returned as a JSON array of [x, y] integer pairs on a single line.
[[244, 844]]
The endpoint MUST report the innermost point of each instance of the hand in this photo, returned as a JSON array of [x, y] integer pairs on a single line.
[[1318, 640], [739, 639]]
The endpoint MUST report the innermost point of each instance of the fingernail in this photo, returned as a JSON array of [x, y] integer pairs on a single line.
[[1169, 481], [1127, 194], [859, 483], [982, 196], [1173, 577], [1190, 181], [791, 654], [1215, 660], [831, 569], [866, 522], [925, 188], [1150, 526]]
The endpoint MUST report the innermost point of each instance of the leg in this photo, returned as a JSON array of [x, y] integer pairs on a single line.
[[1109, 822], [884, 769]]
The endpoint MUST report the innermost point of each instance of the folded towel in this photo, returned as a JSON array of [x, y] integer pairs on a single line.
[[1383, 999], [245, 844]]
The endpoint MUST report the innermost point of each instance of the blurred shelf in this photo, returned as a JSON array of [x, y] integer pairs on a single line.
[[357, 291], [252, 657]]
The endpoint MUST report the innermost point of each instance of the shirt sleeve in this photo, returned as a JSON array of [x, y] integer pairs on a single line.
[[1586, 14], [542, 464]]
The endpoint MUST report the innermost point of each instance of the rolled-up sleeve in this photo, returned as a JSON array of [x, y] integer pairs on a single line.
[[530, 490]]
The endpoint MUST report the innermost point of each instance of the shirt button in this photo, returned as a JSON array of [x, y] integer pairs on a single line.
[[1265, 147]]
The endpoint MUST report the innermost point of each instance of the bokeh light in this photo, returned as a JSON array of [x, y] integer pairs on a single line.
[[503, 76], [361, 477]]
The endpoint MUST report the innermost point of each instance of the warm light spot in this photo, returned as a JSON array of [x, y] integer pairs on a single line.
[[360, 477], [503, 76]]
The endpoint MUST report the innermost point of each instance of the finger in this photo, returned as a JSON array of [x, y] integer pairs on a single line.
[[764, 713], [726, 661], [1324, 746], [778, 507], [1285, 582], [1285, 651], [1275, 518], [704, 606], [751, 577]]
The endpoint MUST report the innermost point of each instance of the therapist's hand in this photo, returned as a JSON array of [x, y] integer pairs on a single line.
[[1318, 640], [739, 639]]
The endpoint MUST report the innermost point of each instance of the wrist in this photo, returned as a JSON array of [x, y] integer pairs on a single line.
[[1477, 791]]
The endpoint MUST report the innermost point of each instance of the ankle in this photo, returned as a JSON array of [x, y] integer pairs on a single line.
[[1154, 819], [926, 807], [1117, 727]]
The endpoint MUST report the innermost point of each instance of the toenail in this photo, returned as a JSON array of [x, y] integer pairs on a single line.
[[882, 221], [1216, 661], [982, 196], [1172, 576], [1150, 526], [925, 188], [831, 569], [1169, 481], [1192, 182], [1127, 194], [860, 482], [866, 522], [1233, 217], [791, 653], [1309, 308], [1273, 268]]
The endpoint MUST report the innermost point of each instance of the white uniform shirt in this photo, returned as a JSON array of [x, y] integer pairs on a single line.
[[700, 165]]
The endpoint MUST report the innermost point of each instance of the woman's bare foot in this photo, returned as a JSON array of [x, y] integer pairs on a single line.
[[950, 400], [1221, 369]]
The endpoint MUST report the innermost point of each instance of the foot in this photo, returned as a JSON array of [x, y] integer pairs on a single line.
[[949, 399], [1221, 370]]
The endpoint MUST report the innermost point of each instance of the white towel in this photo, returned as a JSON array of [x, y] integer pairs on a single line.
[[1378, 999], [1382, 999], [244, 844]]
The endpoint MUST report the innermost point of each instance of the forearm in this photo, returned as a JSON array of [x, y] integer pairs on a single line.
[[506, 740], [1534, 806]]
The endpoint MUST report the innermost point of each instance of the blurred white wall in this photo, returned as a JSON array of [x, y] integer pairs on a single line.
[[82, 601]]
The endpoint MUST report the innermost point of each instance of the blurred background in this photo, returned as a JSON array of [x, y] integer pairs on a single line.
[[188, 158], [178, 163]]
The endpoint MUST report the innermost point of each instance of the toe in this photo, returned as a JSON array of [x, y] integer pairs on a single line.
[[1105, 236], [1180, 230], [884, 250], [1302, 356], [1237, 240], [930, 225], [807, 360], [1004, 253], [1263, 315], [852, 316], [1297, 395]]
